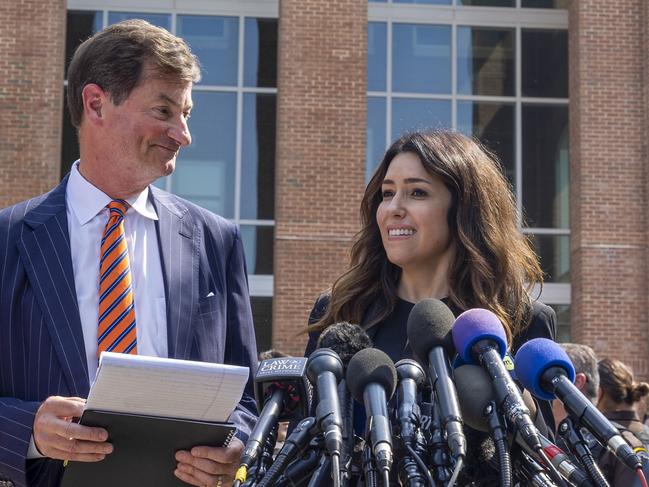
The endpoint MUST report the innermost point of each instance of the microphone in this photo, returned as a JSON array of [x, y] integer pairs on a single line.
[[429, 326], [480, 338], [295, 443], [345, 339], [372, 378], [545, 369], [325, 369], [411, 375], [282, 387], [476, 393]]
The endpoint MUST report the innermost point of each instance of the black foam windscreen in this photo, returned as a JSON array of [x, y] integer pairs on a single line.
[[429, 326], [345, 339], [475, 390], [367, 366]]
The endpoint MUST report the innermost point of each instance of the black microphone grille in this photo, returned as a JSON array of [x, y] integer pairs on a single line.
[[429, 325], [344, 338], [367, 366]]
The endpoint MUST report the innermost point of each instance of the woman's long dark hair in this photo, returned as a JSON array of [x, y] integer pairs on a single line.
[[494, 266]]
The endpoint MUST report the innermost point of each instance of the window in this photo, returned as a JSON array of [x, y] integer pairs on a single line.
[[230, 166], [499, 75]]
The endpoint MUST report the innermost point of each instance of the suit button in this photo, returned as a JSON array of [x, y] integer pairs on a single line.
[[6, 483]]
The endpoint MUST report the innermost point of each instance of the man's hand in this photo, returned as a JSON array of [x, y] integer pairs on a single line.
[[206, 466], [56, 436]]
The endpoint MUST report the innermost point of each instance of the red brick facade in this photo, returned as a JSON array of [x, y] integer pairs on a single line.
[[609, 167], [32, 43], [320, 153]]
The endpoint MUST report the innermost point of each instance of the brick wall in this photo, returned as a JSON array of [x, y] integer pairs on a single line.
[[320, 153], [608, 130], [32, 37]]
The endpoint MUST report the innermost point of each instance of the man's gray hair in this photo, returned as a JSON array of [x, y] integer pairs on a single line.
[[585, 361]]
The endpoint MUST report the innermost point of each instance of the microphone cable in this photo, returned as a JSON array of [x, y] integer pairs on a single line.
[[293, 445], [456, 472], [576, 443], [499, 437], [554, 473]]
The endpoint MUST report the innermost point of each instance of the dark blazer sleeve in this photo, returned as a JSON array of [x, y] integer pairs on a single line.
[[28, 371], [241, 347], [317, 312]]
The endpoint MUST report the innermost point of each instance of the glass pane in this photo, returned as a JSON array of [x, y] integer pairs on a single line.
[[488, 3], [81, 25], [563, 322], [554, 253], [260, 55], [429, 2], [262, 317], [375, 138], [258, 246], [70, 143], [493, 124], [376, 56], [545, 165], [161, 20], [485, 64], [545, 63], [545, 3], [412, 114], [215, 40], [421, 58], [258, 157], [205, 170]]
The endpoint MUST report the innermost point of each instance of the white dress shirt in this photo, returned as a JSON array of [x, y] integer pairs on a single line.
[[87, 217]]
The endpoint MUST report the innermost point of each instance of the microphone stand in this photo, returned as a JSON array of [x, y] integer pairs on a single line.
[[300, 470], [438, 451], [573, 438], [258, 469], [369, 469], [499, 436], [346, 452], [322, 475], [296, 442], [533, 473]]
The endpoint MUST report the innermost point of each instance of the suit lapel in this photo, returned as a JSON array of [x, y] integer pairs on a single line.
[[45, 251], [180, 270]]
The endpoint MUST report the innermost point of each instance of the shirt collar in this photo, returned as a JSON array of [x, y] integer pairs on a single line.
[[86, 200]]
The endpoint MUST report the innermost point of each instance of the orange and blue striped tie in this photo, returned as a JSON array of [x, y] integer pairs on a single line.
[[116, 332]]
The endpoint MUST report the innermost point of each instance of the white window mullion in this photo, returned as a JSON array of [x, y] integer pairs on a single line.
[[239, 129]]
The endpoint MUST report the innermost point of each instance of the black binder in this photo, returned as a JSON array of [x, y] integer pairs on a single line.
[[143, 449]]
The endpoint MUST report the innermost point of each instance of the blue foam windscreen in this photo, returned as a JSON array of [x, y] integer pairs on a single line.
[[474, 325], [537, 356]]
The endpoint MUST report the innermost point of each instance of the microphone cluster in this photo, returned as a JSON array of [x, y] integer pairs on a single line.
[[418, 438]]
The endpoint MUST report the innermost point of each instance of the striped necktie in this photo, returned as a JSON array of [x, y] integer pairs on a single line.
[[116, 332]]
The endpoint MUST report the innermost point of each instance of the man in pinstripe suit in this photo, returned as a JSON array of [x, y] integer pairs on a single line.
[[129, 94]]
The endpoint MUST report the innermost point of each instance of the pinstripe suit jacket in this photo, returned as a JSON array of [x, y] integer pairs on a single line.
[[41, 343]]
